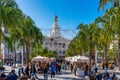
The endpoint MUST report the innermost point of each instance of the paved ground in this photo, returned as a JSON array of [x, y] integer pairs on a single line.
[[110, 71], [65, 74]]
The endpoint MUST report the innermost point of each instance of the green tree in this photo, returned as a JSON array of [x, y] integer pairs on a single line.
[[15, 35], [28, 34], [48, 53], [8, 44], [10, 16], [110, 22], [74, 48], [31, 35], [102, 3], [88, 35]]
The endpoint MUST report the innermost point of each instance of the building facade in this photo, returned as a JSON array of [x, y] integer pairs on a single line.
[[55, 41]]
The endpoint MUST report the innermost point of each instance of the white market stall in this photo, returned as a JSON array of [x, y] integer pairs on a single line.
[[39, 58], [40, 61], [83, 59], [78, 59]]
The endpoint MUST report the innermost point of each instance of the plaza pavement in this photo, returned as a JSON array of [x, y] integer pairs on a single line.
[[116, 69], [65, 74]]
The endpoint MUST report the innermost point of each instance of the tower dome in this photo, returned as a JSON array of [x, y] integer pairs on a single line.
[[56, 18], [55, 29]]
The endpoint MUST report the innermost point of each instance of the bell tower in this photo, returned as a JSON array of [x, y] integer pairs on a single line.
[[55, 29]]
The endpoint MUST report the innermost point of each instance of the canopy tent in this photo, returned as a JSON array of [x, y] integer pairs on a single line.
[[75, 58], [83, 59], [39, 58], [78, 59], [68, 58]]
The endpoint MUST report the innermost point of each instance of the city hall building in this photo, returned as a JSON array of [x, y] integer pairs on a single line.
[[55, 41]]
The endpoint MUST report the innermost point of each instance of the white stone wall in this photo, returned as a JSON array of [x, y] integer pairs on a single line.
[[59, 45]]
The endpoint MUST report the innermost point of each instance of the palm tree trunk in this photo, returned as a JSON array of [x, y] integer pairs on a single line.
[[0, 38], [103, 55], [116, 3], [24, 57], [106, 60], [0, 48], [27, 52], [15, 53], [91, 55], [8, 53], [81, 52], [90, 65]]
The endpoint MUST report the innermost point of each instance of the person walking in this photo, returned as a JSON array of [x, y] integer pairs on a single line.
[[75, 69], [71, 68], [53, 69], [27, 71], [20, 71], [45, 73], [106, 66], [113, 75], [59, 69], [48, 65], [12, 76], [33, 71], [103, 66], [99, 76]]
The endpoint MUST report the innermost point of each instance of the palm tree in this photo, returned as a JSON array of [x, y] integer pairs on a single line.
[[88, 36], [115, 21], [102, 3], [15, 38], [31, 34], [28, 34], [82, 36], [109, 30], [8, 44], [10, 16], [36, 44]]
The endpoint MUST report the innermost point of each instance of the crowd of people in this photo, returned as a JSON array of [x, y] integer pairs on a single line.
[[23, 74], [11, 76], [94, 74], [31, 70]]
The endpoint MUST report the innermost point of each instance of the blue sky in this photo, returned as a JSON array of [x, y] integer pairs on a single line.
[[70, 12]]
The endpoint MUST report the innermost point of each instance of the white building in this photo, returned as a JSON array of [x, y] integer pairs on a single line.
[[55, 41]]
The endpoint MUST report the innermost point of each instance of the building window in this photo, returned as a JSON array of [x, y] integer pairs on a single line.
[[59, 44], [60, 52], [55, 44], [63, 45], [50, 44], [63, 52], [46, 43]]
